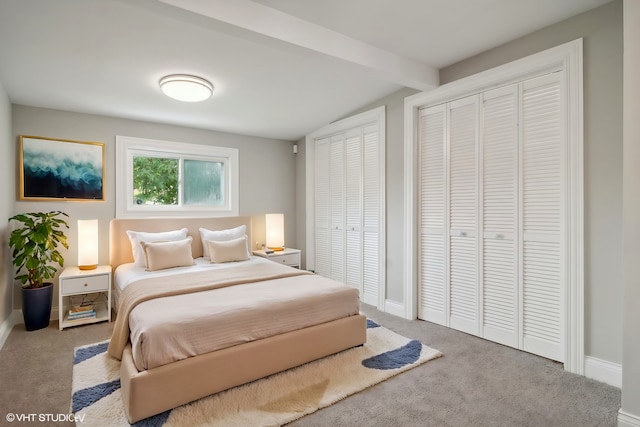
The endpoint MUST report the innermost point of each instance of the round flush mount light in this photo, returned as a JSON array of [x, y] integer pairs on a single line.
[[186, 88]]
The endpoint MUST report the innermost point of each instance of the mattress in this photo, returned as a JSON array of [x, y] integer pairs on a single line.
[[166, 329]]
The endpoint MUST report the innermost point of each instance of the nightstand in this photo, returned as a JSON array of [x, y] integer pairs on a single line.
[[89, 286], [288, 256]]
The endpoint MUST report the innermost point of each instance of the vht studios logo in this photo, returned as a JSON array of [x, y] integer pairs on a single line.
[[45, 418]]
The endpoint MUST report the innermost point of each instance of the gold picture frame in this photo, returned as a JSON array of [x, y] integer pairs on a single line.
[[61, 169]]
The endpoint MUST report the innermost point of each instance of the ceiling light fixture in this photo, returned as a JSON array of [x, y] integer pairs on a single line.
[[186, 88]]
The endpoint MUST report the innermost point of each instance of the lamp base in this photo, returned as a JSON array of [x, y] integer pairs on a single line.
[[277, 249], [88, 267]]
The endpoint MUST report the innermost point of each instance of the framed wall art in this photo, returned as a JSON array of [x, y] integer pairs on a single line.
[[59, 169]]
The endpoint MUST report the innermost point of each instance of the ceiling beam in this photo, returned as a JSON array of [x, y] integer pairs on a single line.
[[272, 23]]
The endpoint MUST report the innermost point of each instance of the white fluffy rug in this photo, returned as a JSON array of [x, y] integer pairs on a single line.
[[271, 401]]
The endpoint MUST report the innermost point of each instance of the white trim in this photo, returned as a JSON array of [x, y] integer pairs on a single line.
[[6, 326], [394, 307], [376, 115], [567, 57], [603, 370], [626, 419]]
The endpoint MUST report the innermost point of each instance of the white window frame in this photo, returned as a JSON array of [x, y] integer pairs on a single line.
[[127, 147]]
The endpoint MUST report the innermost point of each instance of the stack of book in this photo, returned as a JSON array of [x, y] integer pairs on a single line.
[[81, 312]]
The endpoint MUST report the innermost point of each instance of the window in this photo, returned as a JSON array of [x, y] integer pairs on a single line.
[[174, 179]]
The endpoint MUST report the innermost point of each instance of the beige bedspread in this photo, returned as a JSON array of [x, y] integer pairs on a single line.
[[148, 289], [207, 312]]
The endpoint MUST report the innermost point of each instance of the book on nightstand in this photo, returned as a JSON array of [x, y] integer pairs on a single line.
[[87, 315], [81, 312]]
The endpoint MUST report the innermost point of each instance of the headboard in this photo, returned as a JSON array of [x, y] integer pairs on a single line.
[[120, 246]]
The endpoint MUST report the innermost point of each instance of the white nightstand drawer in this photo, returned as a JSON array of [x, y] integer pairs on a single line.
[[288, 256], [293, 259], [78, 285]]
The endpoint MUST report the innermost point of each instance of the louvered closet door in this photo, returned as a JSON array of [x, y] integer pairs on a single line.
[[463, 211], [432, 270], [351, 183], [543, 188], [372, 200], [322, 209], [353, 172], [499, 143], [337, 198]]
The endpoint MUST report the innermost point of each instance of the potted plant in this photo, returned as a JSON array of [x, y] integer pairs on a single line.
[[34, 248]]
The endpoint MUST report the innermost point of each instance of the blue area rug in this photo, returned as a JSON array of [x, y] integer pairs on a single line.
[[274, 400]]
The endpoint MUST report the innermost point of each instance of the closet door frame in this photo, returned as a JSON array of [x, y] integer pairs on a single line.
[[566, 58], [375, 116]]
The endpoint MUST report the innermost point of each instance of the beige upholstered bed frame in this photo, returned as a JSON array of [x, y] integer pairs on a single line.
[[151, 392]]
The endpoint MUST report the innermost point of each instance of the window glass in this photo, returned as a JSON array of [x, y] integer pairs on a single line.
[[155, 181], [203, 183]]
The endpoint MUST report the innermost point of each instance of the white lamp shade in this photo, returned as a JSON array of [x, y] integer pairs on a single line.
[[87, 244], [275, 230]]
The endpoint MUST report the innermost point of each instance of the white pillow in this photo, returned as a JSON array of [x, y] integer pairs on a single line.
[[161, 255], [228, 250], [136, 237], [220, 236]]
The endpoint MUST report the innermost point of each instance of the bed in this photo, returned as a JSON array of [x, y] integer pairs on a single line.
[[155, 383]]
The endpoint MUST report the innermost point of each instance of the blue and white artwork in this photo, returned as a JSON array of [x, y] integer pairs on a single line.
[[59, 169]]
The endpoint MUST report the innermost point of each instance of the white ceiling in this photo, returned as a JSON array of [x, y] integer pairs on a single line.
[[281, 68]]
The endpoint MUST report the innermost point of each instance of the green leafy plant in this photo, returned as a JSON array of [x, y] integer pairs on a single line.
[[35, 246], [155, 180]]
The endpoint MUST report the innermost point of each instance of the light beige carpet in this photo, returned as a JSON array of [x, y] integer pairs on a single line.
[[271, 401]]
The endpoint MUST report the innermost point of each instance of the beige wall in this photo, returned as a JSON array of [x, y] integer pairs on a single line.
[[631, 172], [6, 205], [601, 30], [267, 168]]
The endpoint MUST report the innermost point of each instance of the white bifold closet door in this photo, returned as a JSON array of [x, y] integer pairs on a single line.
[[544, 222], [492, 190], [463, 215], [353, 182], [433, 302], [371, 219], [337, 204], [500, 216], [322, 209], [347, 202]]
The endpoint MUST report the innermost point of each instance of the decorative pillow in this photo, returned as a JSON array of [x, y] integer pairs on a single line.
[[137, 237], [161, 255], [220, 236], [228, 250]]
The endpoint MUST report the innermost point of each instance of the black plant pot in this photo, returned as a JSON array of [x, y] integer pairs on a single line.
[[36, 307]]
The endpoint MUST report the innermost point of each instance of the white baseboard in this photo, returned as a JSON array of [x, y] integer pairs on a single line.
[[602, 370], [626, 419], [6, 326], [394, 307]]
